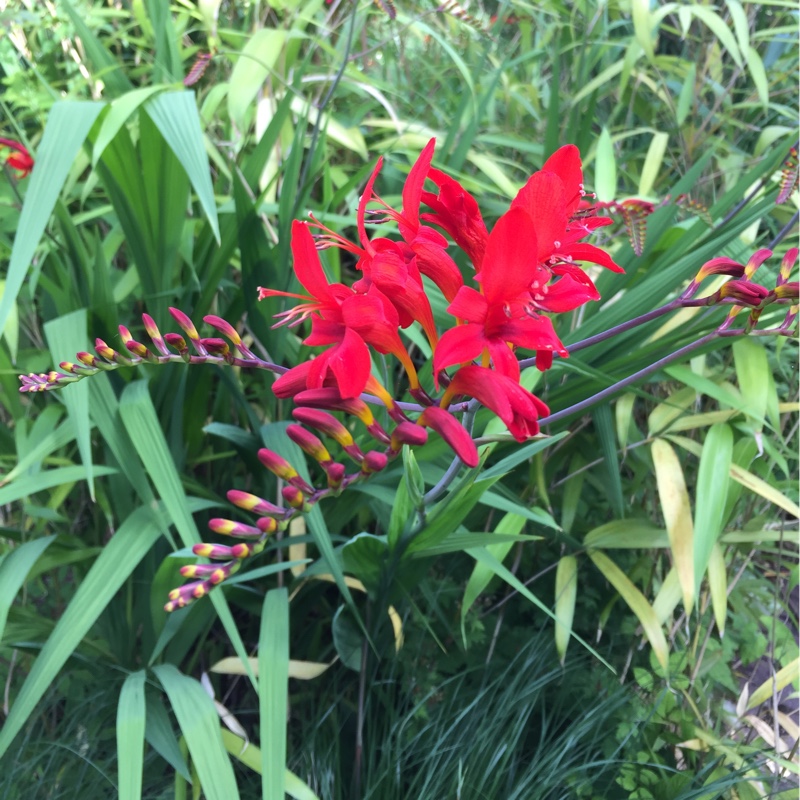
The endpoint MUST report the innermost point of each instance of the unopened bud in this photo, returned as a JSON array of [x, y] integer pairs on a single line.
[[295, 498], [408, 433], [756, 260], [217, 347], [308, 443], [374, 461], [787, 264], [224, 328], [743, 292], [250, 502], [282, 469], [330, 426], [227, 527]]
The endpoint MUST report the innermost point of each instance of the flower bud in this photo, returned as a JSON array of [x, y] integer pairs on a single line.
[[295, 498], [756, 260], [330, 426], [374, 461], [217, 347], [155, 334], [250, 502], [787, 264], [267, 525], [408, 433], [282, 469], [308, 443], [219, 552], [335, 472], [743, 292], [228, 527], [224, 328]]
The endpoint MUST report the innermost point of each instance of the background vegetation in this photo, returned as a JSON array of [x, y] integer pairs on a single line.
[[148, 194]]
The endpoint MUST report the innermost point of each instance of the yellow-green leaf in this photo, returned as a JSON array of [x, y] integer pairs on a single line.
[[566, 594], [677, 512], [637, 603]]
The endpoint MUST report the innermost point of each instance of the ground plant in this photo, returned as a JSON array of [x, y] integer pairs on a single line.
[[398, 400]]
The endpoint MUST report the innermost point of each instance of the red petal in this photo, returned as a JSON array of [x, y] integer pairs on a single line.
[[292, 382], [592, 254], [449, 428], [566, 163], [307, 265], [508, 265], [412, 188], [459, 344], [469, 304], [324, 332], [544, 198], [566, 294], [366, 196], [349, 362], [434, 262]]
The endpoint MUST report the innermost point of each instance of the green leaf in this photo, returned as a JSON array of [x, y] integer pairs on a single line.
[[252, 68], [717, 26], [365, 557], [712, 492], [199, 723], [347, 639], [126, 548], [752, 373], [119, 112], [14, 569], [652, 163], [604, 427], [677, 512], [626, 534], [643, 26], [175, 115], [605, 168], [758, 74], [139, 418], [65, 132], [521, 454], [66, 336], [566, 595], [687, 95], [273, 669], [637, 603], [130, 736], [28, 485]]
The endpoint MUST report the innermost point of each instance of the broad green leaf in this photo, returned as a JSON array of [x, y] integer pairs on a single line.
[[637, 603], [775, 684], [718, 586], [652, 163], [687, 94], [347, 639], [66, 336], [712, 492], [758, 74], [626, 534], [623, 412], [14, 569], [666, 412], [119, 112], [752, 373], [160, 736], [252, 68], [28, 485], [643, 26], [139, 418], [677, 512], [365, 557], [605, 168], [483, 556], [566, 595], [199, 723], [130, 736], [126, 548], [65, 132], [571, 497], [668, 597], [54, 440], [10, 331], [273, 669], [707, 387], [175, 115]]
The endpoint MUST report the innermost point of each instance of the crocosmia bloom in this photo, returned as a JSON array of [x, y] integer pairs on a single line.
[[20, 159]]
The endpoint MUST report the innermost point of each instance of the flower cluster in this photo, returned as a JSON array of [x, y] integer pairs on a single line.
[[526, 267]]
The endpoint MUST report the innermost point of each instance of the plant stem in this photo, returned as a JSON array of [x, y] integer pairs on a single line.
[[619, 385]]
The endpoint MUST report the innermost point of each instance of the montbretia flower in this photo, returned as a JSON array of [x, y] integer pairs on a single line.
[[340, 316], [517, 407], [498, 317], [20, 159]]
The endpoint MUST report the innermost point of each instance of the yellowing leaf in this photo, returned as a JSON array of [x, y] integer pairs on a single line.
[[782, 679], [302, 670], [677, 513], [566, 594]]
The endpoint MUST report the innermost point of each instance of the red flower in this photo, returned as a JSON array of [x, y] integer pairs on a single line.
[[498, 316], [340, 317], [517, 407], [21, 160], [552, 198]]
